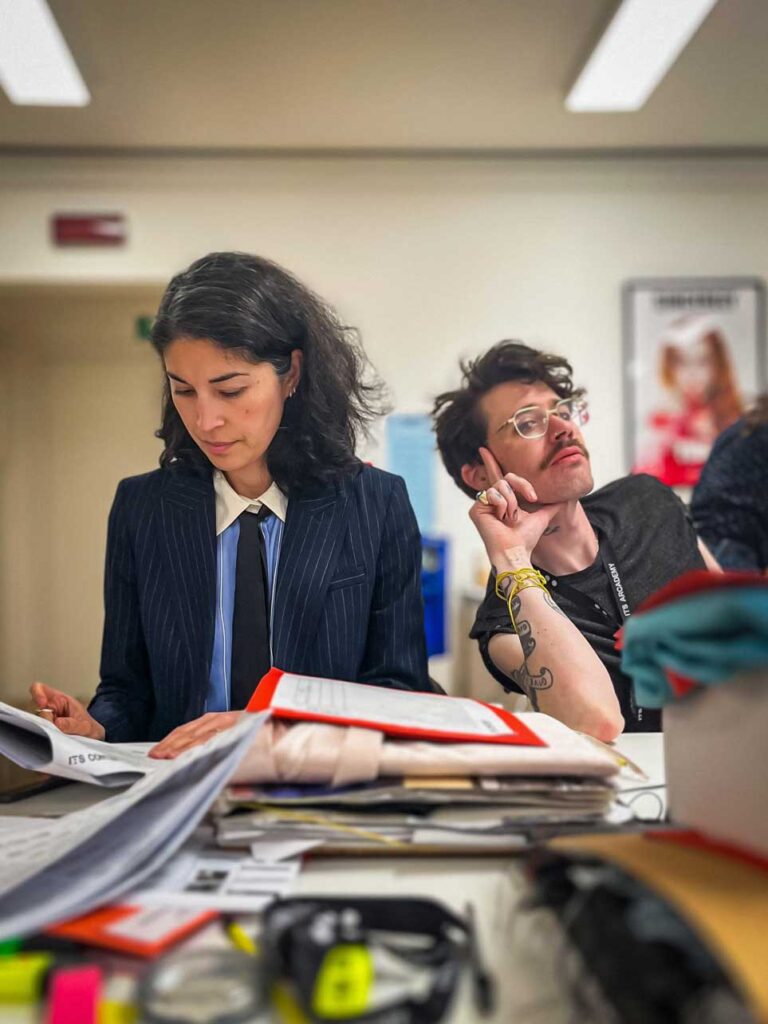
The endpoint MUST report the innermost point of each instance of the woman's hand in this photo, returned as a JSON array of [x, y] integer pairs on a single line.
[[65, 712], [509, 533], [192, 733]]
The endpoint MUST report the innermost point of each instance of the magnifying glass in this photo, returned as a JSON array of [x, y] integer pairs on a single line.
[[217, 986]]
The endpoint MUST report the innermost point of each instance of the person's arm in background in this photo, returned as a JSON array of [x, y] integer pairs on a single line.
[[124, 699], [709, 559], [395, 651], [548, 659]]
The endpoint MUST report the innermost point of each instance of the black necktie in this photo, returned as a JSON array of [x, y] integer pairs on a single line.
[[250, 620]]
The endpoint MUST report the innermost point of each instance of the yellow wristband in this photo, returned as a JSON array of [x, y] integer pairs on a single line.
[[527, 575], [523, 579]]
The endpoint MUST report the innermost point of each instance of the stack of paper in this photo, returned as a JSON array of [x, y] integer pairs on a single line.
[[356, 768], [414, 815], [54, 870]]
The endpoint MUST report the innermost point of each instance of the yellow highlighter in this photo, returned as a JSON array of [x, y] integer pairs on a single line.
[[22, 977], [241, 939]]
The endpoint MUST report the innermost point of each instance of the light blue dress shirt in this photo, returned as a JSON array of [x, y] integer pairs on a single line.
[[219, 681]]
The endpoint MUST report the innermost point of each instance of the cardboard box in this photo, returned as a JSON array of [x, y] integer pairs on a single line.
[[716, 749]]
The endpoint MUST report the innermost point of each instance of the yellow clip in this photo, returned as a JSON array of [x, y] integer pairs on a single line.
[[241, 939], [344, 981]]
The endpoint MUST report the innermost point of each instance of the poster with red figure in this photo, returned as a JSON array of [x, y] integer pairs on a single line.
[[694, 358]]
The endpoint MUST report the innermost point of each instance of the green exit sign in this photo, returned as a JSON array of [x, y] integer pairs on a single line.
[[143, 327]]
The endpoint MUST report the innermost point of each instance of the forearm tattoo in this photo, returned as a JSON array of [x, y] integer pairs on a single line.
[[552, 604], [529, 682]]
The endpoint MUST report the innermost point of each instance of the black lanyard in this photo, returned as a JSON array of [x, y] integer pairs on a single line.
[[589, 606], [608, 558]]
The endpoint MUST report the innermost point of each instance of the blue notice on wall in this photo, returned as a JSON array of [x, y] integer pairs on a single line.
[[411, 454]]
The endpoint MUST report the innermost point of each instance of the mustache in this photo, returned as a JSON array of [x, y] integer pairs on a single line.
[[559, 447]]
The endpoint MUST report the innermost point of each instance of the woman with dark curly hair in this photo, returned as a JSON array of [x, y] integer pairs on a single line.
[[262, 539]]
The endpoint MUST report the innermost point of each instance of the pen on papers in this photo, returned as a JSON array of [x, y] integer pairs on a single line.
[[621, 759]]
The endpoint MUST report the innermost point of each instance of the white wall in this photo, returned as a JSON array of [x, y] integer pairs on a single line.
[[432, 258]]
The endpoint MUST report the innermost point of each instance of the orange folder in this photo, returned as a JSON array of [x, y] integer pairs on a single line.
[[142, 931]]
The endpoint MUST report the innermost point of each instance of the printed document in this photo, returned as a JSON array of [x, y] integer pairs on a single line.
[[395, 712], [203, 878], [57, 869], [33, 742]]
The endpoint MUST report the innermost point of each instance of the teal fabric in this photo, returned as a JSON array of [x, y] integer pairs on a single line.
[[706, 637]]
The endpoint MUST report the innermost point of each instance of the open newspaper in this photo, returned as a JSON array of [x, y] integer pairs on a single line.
[[56, 869], [33, 742]]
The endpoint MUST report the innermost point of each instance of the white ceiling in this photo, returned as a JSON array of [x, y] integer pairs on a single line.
[[445, 75]]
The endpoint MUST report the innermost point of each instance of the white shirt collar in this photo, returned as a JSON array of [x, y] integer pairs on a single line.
[[229, 504]]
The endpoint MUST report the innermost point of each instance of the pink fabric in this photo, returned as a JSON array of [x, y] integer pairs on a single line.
[[312, 752]]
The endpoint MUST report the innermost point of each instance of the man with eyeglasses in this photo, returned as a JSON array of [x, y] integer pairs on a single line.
[[569, 564]]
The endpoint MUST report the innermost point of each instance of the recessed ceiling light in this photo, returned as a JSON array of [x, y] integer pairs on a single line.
[[36, 66], [642, 42]]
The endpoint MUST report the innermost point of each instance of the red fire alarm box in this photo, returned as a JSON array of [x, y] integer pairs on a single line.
[[88, 229]]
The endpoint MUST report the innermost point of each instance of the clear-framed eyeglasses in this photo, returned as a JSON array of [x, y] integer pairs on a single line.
[[533, 420]]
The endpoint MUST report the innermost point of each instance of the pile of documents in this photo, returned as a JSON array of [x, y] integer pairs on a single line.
[[462, 815], [54, 869], [355, 769]]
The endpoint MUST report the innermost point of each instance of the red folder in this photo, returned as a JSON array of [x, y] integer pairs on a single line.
[[401, 714]]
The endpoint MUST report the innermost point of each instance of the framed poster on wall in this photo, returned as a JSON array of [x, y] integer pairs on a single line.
[[694, 358]]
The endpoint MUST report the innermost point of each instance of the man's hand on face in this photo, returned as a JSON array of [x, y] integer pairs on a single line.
[[66, 713], [509, 532]]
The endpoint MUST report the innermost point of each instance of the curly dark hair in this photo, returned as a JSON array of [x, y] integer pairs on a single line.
[[253, 306], [757, 415], [458, 421]]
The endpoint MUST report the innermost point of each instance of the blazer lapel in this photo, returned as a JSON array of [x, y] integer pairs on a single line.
[[189, 540], [314, 530]]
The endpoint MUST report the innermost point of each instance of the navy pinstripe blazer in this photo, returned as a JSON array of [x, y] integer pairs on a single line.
[[347, 594]]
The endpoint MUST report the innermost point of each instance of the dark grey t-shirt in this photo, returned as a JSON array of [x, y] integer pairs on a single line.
[[649, 535]]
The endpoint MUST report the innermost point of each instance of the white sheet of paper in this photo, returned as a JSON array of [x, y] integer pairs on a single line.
[[33, 742], [404, 709], [202, 878], [55, 869], [269, 851], [439, 837]]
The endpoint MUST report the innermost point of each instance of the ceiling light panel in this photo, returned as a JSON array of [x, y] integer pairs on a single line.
[[36, 65], [642, 42]]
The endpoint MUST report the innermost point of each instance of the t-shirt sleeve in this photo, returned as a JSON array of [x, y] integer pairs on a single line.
[[492, 617], [650, 530], [656, 504]]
